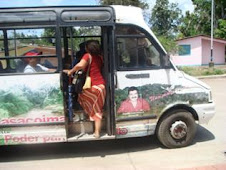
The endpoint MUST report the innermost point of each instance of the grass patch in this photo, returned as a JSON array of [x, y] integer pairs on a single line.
[[203, 70]]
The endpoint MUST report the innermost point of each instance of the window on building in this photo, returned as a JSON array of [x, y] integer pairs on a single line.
[[184, 50]]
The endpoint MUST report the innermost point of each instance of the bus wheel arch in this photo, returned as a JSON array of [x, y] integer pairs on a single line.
[[176, 127]]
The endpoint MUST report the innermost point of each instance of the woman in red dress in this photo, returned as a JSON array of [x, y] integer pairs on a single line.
[[92, 99]]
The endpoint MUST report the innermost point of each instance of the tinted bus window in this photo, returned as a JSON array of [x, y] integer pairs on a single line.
[[134, 49], [18, 17]]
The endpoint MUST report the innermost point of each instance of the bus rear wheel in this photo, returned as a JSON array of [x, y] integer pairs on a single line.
[[177, 129]]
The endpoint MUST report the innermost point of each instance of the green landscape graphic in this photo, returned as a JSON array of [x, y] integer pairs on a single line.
[[20, 95]]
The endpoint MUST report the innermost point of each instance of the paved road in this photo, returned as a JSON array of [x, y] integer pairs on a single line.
[[131, 154]]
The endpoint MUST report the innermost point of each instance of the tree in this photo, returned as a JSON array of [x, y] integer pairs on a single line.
[[165, 18], [168, 43], [220, 8], [220, 32], [137, 3], [164, 22], [49, 33], [199, 22], [189, 26]]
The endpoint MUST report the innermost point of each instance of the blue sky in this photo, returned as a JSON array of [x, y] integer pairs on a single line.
[[25, 3], [184, 5]]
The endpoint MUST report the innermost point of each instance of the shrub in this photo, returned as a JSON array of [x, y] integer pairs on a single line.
[[54, 97], [218, 71], [13, 104], [4, 113]]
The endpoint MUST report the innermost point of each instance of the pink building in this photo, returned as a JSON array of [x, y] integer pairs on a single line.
[[195, 51]]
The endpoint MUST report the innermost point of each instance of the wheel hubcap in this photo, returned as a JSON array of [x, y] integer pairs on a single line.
[[178, 130]]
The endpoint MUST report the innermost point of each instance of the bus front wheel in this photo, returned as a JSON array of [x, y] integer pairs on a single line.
[[177, 129]]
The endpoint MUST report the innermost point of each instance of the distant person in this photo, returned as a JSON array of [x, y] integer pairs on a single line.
[[133, 103], [33, 65]]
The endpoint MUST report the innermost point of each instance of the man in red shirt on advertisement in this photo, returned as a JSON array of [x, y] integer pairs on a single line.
[[133, 103]]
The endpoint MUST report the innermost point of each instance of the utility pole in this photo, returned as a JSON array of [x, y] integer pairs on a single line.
[[211, 63]]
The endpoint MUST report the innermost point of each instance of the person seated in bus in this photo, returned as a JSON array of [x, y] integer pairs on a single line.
[[133, 103], [92, 100], [33, 65]]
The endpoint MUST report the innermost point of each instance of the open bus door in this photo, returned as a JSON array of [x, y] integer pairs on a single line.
[[79, 127]]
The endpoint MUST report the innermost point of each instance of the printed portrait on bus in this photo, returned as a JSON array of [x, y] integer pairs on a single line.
[[133, 103]]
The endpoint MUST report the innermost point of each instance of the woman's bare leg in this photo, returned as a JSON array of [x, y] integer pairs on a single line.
[[97, 128]]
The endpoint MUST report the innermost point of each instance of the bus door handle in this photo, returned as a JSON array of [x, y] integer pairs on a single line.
[[137, 76]]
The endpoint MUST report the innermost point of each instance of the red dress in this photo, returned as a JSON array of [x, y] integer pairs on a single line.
[[95, 69], [92, 100]]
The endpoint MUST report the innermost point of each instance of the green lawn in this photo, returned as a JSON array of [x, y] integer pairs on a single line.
[[203, 70]]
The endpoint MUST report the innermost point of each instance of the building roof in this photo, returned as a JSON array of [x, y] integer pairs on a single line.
[[206, 37]]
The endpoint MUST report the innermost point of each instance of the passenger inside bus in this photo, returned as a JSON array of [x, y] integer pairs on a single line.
[[33, 65], [92, 100]]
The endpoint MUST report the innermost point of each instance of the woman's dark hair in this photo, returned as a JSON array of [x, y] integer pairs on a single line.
[[93, 47], [132, 88]]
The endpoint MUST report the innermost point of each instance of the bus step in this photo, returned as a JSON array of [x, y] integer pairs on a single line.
[[81, 127], [89, 137]]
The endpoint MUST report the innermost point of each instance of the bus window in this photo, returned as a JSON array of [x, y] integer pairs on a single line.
[[22, 41], [72, 16], [28, 16], [134, 49], [75, 37]]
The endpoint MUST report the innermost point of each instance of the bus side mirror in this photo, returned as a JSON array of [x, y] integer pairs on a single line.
[[166, 60]]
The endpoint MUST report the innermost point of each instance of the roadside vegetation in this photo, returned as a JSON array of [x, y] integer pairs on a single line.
[[169, 23], [203, 70]]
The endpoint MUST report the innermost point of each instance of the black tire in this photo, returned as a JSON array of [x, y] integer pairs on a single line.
[[170, 123]]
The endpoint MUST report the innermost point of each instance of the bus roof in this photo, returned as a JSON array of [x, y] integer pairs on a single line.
[[119, 14]]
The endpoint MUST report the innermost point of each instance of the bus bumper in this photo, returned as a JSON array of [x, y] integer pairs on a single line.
[[205, 112]]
